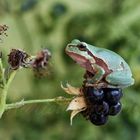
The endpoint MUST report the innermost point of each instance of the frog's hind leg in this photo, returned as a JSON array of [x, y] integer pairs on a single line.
[[120, 79]]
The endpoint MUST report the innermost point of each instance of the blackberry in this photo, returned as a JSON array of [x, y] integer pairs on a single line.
[[115, 109], [93, 95], [101, 103], [98, 119], [112, 95]]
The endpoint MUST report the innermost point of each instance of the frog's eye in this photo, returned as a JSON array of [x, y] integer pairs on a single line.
[[82, 47]]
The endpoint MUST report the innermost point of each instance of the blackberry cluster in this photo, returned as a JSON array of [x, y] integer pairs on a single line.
[[102, 103]]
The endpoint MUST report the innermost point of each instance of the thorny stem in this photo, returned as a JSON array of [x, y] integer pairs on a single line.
[[22, 103]]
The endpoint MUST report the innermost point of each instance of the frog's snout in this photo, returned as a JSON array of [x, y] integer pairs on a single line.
[[75, 41]]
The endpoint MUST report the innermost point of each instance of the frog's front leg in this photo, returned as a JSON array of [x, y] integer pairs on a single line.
[[98, 75]]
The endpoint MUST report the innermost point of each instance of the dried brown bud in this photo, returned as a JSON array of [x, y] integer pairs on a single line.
[[42, 58], [3, 29], [17, 58], [40, 63]]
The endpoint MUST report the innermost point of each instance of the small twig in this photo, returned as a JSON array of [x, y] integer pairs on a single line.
[[22, 103]]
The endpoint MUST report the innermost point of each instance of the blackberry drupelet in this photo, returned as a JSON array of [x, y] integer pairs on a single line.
[[94, 95], [98, 119], [115, 109], [113, 95], [102, 108]]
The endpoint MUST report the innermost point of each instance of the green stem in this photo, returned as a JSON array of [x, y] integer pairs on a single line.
[[4, 93], [22, 103], [2, 72]]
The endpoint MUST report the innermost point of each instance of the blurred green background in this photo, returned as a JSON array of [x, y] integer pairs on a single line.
[[35, 24]]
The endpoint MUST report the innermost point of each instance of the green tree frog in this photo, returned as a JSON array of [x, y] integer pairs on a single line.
[[109, 69]]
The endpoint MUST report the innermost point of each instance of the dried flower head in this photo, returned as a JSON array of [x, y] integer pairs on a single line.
[[42, 59], [17, 58], [78, 104], [40, 63], [3, 29]]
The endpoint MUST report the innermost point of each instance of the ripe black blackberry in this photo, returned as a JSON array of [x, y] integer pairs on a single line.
[[101, 103]]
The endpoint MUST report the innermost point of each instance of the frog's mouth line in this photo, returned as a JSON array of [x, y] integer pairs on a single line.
[[82, 61]]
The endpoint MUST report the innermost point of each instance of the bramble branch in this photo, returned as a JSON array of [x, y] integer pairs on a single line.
[[22, 102]]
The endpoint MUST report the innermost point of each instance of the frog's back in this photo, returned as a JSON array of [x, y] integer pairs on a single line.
[[112, 59]]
